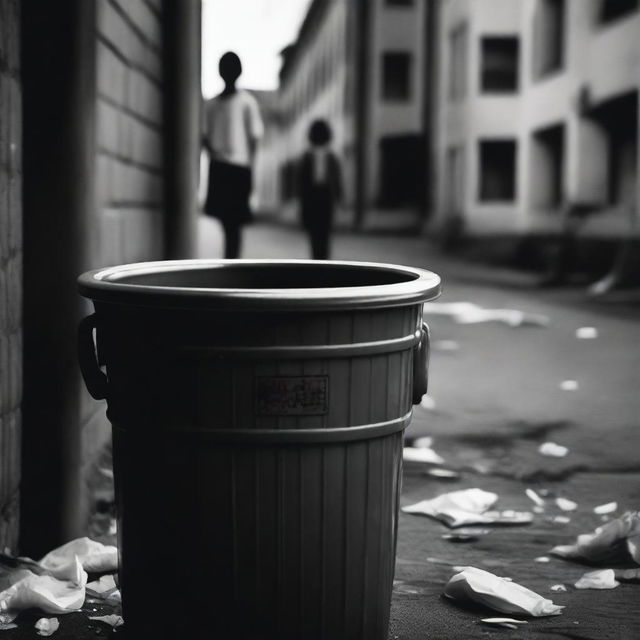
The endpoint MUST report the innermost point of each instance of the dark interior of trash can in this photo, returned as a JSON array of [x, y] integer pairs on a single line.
[[265, 276]]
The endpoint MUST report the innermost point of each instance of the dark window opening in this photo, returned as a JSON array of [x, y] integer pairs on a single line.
[[396, 81], [402, 170], [548, 166], [613, 9], [549, 37], [497, 170], [500, 59]]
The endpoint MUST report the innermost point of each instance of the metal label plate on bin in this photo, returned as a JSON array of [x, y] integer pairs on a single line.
[[291, 395]]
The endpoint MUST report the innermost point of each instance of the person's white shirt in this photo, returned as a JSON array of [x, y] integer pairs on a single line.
[[231, 123]]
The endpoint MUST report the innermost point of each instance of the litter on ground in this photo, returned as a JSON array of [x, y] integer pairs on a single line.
[[47, 626], [508, 623], [586, 333], [112, 620], [558, 588], [565, 504], [600, 579], [605, 509], [553, 450], [470, 313], [484, 588], [569, 385], [424, 454]]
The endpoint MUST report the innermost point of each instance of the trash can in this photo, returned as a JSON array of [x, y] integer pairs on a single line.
[[258, 410]]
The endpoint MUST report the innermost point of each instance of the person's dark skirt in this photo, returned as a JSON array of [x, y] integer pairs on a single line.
[[228, 193]]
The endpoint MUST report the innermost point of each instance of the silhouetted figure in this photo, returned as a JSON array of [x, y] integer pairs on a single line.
[[319, 188], [232, 129]]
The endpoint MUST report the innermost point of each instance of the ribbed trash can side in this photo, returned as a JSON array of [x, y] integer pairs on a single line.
[[257, 460]]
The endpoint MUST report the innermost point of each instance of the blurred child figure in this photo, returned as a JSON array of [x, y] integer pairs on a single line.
[[232, 129], [319, 188]]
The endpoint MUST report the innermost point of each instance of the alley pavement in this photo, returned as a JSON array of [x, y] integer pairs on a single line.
[[558, 367]]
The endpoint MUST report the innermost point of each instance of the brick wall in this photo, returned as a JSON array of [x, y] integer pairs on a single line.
[[10, 272], [129, 121], [129, 213]]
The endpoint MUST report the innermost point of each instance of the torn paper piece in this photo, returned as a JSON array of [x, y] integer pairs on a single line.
[[615, 541], [534, 497], [564, 504], [558, 588], [47, 626], [103, 587], [466, 507], [560, 519], [569, 385], [553, 450], [94, 557], [44, 592], [470, 313], [600, 579], [508, 623], [428, 456], [542, 559], [586, 333], [445, 474], [481, 587], [423, 442], [605, 509], [112, 620], [428, 403]]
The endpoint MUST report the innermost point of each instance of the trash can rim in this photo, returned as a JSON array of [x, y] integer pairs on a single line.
[[109, 285]]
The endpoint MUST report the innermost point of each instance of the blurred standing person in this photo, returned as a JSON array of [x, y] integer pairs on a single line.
[[232, 130], [319, 188]]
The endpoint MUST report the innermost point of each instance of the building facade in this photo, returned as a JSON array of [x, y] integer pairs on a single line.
[[537, 113], [359, 65]]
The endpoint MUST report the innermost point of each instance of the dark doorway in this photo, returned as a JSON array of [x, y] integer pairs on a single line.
[[402, 168]]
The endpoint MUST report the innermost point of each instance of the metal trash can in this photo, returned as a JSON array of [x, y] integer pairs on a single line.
[[258, 410]]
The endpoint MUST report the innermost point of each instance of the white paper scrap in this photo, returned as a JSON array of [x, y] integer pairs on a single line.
[[509, 623], [586, 333], [569, 385], [103, 587], [423, 442], [553, 450], [534, 497], [424, 454], [611, 542], [466, 507], [605, 509], [558, 588], [600, 579], [542, 559], [482, 587], [94, 557], [428, 403], [47, 626], [566, 505], [112, 620]]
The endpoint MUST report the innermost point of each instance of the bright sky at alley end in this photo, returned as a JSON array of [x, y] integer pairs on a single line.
[[257, 30]]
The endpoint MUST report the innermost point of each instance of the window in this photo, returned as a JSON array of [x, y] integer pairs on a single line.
[[549, 36], [497, 170], [396, 68], [547, 167], [500, 58], [613, 9], [458, 63]]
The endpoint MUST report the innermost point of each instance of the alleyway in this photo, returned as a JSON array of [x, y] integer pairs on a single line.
[[496, 395]]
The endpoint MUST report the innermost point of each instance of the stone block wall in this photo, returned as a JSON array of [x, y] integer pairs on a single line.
[[10, 271]]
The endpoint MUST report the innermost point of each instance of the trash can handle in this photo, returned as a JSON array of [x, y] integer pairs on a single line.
[[96, 381], [421, 365]]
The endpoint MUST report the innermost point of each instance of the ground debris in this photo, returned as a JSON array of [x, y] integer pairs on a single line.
[[47, 626], [553, 450], [605, 509], [509, 623], [600, 579], [484, 588], [112, 620]]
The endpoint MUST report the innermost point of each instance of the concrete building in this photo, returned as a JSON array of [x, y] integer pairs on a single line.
[[537, 112], [360, 65], [99, 136]]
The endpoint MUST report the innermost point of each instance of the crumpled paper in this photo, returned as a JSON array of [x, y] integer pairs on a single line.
[[600, 579], [112, 620], [56, 584], [618, 540], [94, 557], [466, 507], [482, 587], [47, 626], [45, 592]]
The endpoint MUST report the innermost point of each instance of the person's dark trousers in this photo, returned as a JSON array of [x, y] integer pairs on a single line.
[[320, 242], [232, 239]]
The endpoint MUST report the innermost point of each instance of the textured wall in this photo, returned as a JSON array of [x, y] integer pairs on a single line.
[[129, 123], [10, 271]]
